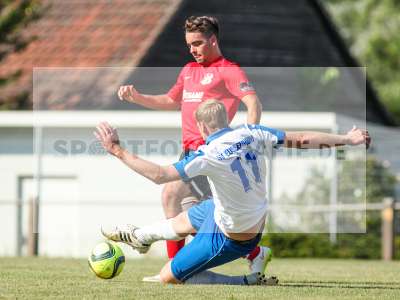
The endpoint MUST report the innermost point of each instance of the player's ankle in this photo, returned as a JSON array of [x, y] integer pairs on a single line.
[[253, 254]]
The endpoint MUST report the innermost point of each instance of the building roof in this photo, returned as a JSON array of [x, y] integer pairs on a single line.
[[256, 34], [279, 34], [90, 33]]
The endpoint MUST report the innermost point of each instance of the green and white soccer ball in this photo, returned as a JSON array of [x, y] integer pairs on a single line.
[[106, 260]]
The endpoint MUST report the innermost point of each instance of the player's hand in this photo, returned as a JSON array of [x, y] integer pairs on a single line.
[[358, 136], [128, 93], [108, 137]]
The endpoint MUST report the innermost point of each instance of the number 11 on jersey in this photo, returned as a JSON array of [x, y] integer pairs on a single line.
[[236, 166]]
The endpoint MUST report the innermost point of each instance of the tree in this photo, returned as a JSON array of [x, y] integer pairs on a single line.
[[14, 17], [372, 30]]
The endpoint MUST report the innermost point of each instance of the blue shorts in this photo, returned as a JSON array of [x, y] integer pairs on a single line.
[[210, 247]]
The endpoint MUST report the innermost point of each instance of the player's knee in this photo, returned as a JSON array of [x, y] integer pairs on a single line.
[[168, 280], [169, 195], [189, 202], [166, 275], [182, 225]]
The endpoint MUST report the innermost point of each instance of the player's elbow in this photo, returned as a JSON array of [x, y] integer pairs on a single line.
[[254, 105], [158, 180], [303, 140], [161, 177]]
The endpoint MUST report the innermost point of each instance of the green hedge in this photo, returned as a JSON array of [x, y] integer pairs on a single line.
[[363, 246], [380, 183]]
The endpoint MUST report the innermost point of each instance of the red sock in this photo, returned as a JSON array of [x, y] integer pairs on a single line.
[[173, 247], [253, 253]]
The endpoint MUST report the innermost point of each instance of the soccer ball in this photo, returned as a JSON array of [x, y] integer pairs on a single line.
[[106, 260]]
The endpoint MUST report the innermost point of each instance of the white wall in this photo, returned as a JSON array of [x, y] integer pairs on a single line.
[[82, 191]]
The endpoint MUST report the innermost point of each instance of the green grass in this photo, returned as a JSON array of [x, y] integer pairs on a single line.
[[41, 278]]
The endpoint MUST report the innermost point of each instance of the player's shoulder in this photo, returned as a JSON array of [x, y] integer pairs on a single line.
[[200, 153], [188, 68], [228, 68], [191, 64], [260, 127], [257, 128], [224, 62], [266, 133]]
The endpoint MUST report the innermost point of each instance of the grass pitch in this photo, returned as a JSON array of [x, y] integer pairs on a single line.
[[50, 278]]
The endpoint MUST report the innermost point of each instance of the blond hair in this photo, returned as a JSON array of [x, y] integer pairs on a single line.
[[212, 113]]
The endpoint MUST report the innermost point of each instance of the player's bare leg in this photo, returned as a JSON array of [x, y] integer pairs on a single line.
[[183, 227], [166, 275], [172, 195], [177, 195], [138, 238]]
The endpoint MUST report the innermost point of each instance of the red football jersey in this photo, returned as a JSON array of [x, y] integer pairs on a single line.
[[222, 80]]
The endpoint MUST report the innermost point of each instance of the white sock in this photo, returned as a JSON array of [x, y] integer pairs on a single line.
[[158, 231], [208, 277]]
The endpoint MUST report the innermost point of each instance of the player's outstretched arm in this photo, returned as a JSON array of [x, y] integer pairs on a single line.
[[160, 102], [108, 137], [254, 108], [318, 140]]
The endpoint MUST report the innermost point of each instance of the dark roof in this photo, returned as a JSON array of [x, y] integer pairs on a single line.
[[278, 33]]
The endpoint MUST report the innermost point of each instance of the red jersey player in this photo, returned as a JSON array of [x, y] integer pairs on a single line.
[[211, 76]]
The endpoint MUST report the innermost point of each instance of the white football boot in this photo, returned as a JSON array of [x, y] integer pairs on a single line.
[[126, 235], [260, 279], [260, 262]]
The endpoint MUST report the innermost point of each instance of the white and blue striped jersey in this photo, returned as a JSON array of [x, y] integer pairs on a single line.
[[233, 160]]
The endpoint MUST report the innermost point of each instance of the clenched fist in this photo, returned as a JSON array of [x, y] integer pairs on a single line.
[[128, 93], [358, 136]]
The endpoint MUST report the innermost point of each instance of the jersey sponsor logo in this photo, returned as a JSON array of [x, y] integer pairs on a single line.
[[207, 79], [192, 96], [235, 147], [246, 86]]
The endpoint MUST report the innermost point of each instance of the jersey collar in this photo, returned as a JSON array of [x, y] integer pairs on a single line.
[[217, 134], [219, 58]]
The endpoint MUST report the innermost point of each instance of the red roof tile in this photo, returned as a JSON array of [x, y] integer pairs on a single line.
[[88, 33]]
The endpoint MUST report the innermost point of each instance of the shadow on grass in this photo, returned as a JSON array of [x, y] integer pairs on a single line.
[[343, 285]]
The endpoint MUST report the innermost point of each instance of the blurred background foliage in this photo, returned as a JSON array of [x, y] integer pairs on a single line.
[[371, 29], [380, 183], [14, 17]]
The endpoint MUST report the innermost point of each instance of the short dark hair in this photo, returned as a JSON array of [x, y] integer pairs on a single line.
[[204, 24]]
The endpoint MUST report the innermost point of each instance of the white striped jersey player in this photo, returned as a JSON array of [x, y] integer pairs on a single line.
[[233, 160]]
